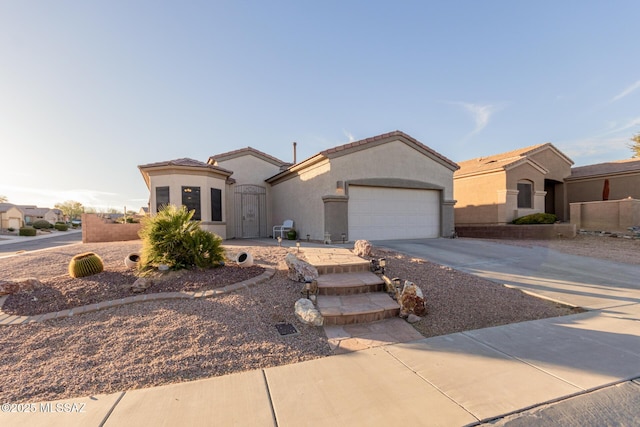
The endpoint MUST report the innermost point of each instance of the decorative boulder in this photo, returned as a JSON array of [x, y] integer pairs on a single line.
[[362, 248], [141, 285], [307, 312], [411, 300], [8, 287], [300, 271]]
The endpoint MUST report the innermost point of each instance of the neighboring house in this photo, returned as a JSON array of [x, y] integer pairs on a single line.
[[143, 211], [33, 213], [586, 183], [388, 186], [499, 188], [10, 216]]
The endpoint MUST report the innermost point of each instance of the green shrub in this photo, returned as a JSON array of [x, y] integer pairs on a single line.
[[11, 229], [85, 264], [172, 238], [42, 224], [61, 226], [537, 218], [27, 231]]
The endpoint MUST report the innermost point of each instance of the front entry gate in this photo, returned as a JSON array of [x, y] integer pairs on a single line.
[[251, 211]]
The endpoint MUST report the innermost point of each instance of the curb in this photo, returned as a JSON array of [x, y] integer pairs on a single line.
[[12, 319]]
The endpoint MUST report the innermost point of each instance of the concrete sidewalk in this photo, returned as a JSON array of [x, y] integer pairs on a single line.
[[454, 380], [8, 239]]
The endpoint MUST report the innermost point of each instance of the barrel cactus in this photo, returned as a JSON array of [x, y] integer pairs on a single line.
[[85, 264]]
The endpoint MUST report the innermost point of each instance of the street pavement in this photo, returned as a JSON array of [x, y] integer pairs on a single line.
[[11, 245], [573, 370]]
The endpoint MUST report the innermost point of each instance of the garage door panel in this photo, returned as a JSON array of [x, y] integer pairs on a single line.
[[378, 213]]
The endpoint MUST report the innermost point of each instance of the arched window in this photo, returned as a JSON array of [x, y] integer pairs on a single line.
[[525, 194]]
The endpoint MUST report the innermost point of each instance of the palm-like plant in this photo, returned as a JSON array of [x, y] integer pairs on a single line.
[[171, 237]]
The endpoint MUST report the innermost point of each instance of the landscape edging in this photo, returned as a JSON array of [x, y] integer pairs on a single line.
[[12, 319]]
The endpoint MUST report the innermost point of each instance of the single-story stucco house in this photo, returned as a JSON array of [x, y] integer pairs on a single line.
[[501, 187], [10, 216], [587, 183], [33, 213], [387, 186]]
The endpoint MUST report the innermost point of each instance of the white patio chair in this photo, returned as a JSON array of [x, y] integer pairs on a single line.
[[282, 229]]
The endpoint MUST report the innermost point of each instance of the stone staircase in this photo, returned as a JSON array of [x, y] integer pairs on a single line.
[[348, 292]]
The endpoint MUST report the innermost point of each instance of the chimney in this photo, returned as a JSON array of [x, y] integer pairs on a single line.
[[294, 152]]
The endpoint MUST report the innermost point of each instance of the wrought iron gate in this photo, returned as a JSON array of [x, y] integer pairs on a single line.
[[251, 211]]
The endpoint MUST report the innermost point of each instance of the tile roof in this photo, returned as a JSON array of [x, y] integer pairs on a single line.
[[608, 168], [185, 162], [501, 161], [242, 151], [4, 207]]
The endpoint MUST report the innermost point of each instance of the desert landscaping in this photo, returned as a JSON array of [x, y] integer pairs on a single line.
[[167, 341]]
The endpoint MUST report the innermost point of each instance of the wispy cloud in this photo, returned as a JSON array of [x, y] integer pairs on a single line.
[[348, 135], [595, 149], [617, 127], [628, 91], [481, 114]]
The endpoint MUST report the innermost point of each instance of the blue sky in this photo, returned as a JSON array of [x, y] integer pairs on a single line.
[[89, 90]]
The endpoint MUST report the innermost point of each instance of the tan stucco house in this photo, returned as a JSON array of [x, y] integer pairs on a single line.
[[388, 186], [33, 213], [10, 216], [586, 183], [499, 188]]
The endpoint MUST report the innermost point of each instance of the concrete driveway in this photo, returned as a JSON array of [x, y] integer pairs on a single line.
[[582, 281]]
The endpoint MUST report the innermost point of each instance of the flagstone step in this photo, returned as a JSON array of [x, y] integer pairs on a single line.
[[335, 260], [360, 308], [349, 283]]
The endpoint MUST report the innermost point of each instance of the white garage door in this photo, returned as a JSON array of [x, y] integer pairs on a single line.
[[377, 213]]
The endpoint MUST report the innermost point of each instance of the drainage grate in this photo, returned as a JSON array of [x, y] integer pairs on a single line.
[[286, 329]]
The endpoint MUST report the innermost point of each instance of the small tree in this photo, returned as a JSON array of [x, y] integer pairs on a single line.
[[71, 209], [3, 199], [635, 147]]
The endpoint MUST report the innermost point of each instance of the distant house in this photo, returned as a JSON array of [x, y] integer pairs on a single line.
[[587, 183], [33, 213], [499, 188], [143, 211], [10, 216], [384, 187]]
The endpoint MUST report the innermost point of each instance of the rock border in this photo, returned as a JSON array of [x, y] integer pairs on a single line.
[[13, 319]]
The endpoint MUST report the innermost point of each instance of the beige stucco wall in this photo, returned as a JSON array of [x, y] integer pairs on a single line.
[[492, 198], [590, 189], [610, 215], [205, 181], [247, 169], [558, 168], [300, 198], [52, 217], [478, 199]]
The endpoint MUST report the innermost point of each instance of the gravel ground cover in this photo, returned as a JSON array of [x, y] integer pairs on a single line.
[[154, 343], [60, 291]]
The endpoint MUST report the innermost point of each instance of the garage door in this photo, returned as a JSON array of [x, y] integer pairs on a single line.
[[377, 213]]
